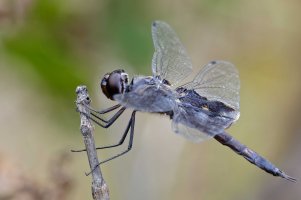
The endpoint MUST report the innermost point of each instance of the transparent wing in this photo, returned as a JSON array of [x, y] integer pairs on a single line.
[[188, 133], [218, 81], [194, 125], [170, 60]]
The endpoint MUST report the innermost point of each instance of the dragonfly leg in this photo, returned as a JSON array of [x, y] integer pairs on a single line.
[[109, 123], [115, 145], [122, 138], [250, 155], [97, 114], [104, 111], [132, 125]]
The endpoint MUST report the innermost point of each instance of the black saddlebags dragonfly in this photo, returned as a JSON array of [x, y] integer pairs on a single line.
[[200, 109]]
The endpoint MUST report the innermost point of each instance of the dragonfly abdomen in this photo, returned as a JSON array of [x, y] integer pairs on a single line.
[[250, 155]]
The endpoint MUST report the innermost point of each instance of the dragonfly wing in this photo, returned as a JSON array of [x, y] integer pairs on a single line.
[[194, 125], [170, 60], [188, 133], [217, 81]]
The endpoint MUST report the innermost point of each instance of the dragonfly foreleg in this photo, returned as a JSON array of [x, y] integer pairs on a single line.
[[104, 111], [122, 138], [250, 155], [96, 113], [132, 125], [108, 124]]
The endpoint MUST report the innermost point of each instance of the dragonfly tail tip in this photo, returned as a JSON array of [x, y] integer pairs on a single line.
[[289, 178]]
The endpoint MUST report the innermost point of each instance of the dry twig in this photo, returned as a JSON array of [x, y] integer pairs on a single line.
[[100, 190]]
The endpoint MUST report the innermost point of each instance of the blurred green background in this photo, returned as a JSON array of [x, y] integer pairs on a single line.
[[49, 47]]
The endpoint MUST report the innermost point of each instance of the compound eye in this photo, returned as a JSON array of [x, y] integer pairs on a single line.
[[104, 83], [124, 78], [114, 83]]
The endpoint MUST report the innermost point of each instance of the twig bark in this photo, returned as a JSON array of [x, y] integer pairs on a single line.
[[100, 190]]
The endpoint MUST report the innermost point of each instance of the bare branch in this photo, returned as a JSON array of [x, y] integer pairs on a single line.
[[100, 190]]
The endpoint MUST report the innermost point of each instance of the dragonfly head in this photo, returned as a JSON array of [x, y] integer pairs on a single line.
[[113, 83]]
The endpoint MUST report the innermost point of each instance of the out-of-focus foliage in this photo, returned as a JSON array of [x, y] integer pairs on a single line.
[[43, 41], [127, 24], [51, 40]]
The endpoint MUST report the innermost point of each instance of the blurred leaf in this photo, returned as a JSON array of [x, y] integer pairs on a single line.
[[41, 43]]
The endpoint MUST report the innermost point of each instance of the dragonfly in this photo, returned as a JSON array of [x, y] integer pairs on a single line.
[[200, 109]]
